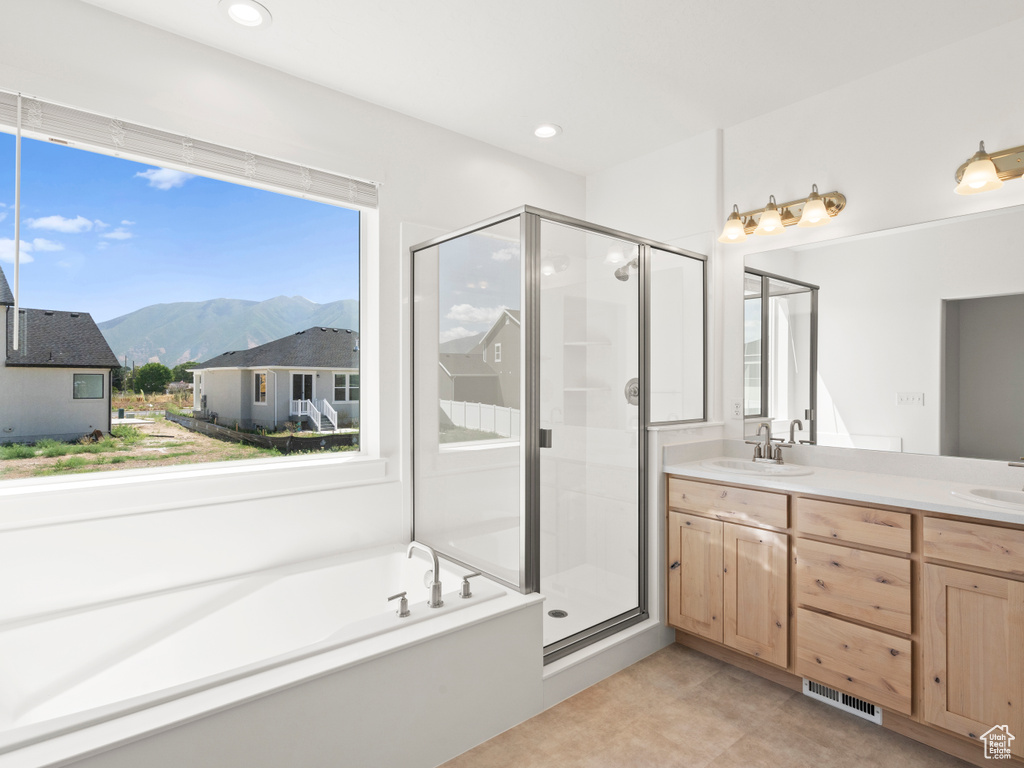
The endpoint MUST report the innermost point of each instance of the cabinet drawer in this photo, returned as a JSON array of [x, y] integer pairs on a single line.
[[860, 585], [984, 546], [855, 525], [726, 503], [857, 660]]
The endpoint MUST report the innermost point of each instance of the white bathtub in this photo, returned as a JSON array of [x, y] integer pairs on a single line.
[[68, 671]]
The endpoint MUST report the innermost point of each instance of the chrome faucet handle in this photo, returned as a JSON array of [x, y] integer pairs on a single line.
[[778, 451], [403, 607], [465, 583], [757, 448]]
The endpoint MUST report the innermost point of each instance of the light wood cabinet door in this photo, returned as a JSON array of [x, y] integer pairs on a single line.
[[695, 575], [756, 592], [973, 642]]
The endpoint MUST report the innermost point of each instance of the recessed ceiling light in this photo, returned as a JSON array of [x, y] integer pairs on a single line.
[[248, 13], [547, 131]]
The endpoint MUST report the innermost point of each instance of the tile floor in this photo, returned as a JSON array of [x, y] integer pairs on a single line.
[[682, 709]]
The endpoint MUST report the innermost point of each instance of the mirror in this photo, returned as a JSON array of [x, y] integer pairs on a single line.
[[920, 340]]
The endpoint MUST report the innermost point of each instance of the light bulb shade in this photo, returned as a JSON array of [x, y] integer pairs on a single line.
[[770, 222], [979, 176], [733, 231], [815, 214]]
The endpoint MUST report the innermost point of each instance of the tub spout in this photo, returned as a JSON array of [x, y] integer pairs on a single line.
[[435, 584]]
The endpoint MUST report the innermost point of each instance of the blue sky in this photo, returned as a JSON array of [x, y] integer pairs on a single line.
[[109, 236]]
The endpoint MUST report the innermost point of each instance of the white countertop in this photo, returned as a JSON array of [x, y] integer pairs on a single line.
[[874, 488]]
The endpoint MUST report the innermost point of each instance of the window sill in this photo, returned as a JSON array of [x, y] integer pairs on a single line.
[[341, 472]]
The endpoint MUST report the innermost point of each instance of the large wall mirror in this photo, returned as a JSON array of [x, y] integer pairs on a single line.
[[920, 337]]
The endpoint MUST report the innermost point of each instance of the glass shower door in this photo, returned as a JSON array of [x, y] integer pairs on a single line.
[[590, 400]]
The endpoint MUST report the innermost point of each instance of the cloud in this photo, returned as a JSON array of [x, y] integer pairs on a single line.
[[7, 250], [100, 224], [60, 224], [101, 245], [456, 333], [467, 313], [506, 254], [3, 215], [165, 178], [41, 244], [126, 223], [65, 264], [118, 234]]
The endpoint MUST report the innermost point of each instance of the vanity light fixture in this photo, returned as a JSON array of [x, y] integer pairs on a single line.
[[248, 13], [815, 210], [985, 171]]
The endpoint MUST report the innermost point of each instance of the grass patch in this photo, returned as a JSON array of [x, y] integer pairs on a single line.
[[70, 464], [118, 459], [162, 456], [127, 433], [16, 451], [51, 449], [464, 435]]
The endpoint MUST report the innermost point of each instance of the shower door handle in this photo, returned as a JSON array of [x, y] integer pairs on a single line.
[[545, 438]]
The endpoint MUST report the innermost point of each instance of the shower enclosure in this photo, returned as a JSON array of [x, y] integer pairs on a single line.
[[532, 394]]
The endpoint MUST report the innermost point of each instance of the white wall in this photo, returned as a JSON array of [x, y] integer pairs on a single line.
[[72, 53]]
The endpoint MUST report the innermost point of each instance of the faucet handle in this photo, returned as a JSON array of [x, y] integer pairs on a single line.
[[465, 583], [403, 607]]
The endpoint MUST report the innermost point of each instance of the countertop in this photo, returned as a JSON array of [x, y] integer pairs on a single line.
[[874, 488]]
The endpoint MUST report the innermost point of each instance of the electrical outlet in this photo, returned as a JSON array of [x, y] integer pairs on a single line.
[[737, 409], [910, 398]]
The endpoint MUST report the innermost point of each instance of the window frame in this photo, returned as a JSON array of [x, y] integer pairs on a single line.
[[103, 386], [497, 351], [370, 442], [256, 375]]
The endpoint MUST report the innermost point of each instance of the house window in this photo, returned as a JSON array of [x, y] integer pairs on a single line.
[[88, 386], [497, 353], [260, 388], [346, 387]]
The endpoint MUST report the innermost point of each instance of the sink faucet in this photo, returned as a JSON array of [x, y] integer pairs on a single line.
[[794, 425], [766, 451], [435, 584]]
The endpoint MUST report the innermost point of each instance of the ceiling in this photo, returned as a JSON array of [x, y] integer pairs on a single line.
[[622, 78]]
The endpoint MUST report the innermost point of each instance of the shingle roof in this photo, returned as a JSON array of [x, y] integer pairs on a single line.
[[311, 348], [470, 364], [57, 340], [6, 297]]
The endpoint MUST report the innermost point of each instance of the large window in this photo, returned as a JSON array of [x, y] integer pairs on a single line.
[[88, 386], [177, 269], [346, 387]]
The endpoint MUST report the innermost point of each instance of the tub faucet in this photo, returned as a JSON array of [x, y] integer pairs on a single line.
[[435, 584]]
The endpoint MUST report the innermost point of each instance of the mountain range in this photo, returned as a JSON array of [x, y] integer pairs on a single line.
[[198, 330]]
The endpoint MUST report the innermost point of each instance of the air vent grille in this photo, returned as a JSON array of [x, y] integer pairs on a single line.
[[843, 701]]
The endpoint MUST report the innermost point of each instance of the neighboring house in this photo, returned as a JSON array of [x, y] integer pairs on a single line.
[[311, 377], [488, 373], [57, 384]]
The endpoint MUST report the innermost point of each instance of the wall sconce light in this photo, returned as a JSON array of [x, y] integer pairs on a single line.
[[815, 210], [984, 171]]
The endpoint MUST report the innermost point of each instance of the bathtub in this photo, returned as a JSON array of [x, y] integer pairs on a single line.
[[129, 667]]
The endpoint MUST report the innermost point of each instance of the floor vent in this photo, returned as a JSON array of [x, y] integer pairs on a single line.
[[843, 701]]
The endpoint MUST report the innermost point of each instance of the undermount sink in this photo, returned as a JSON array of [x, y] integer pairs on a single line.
[[994, 497], [764, 469]]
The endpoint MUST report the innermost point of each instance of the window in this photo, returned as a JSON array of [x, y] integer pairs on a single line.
[[139, 245], [88, 386], [346, 387], [260, 393], [497, 352]]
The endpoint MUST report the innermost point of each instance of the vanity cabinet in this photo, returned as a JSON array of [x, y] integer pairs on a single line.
[[728, 580], [973, 630]]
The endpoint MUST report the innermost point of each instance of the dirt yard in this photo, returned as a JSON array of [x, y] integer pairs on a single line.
[[157, 443]]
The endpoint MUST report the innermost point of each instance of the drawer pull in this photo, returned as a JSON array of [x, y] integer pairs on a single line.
[[674, 565]]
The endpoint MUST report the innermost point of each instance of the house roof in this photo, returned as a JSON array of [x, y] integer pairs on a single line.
[[311, 348], [469, 364], [50, 339], [508, 314], [6, 297]]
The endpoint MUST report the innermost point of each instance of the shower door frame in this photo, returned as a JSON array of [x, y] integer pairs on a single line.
[[530, 219]]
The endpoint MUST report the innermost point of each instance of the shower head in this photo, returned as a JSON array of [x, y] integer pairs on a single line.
[[622, 273]]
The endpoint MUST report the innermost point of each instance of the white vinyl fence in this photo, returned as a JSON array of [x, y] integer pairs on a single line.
[[486, 418]]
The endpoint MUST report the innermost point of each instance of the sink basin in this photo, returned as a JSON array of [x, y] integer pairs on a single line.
[[994, 497], [746, 467]]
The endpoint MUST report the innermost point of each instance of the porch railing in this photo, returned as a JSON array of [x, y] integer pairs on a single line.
[[330, 413]]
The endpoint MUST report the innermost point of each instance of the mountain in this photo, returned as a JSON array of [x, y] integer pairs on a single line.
[[198, 330]]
